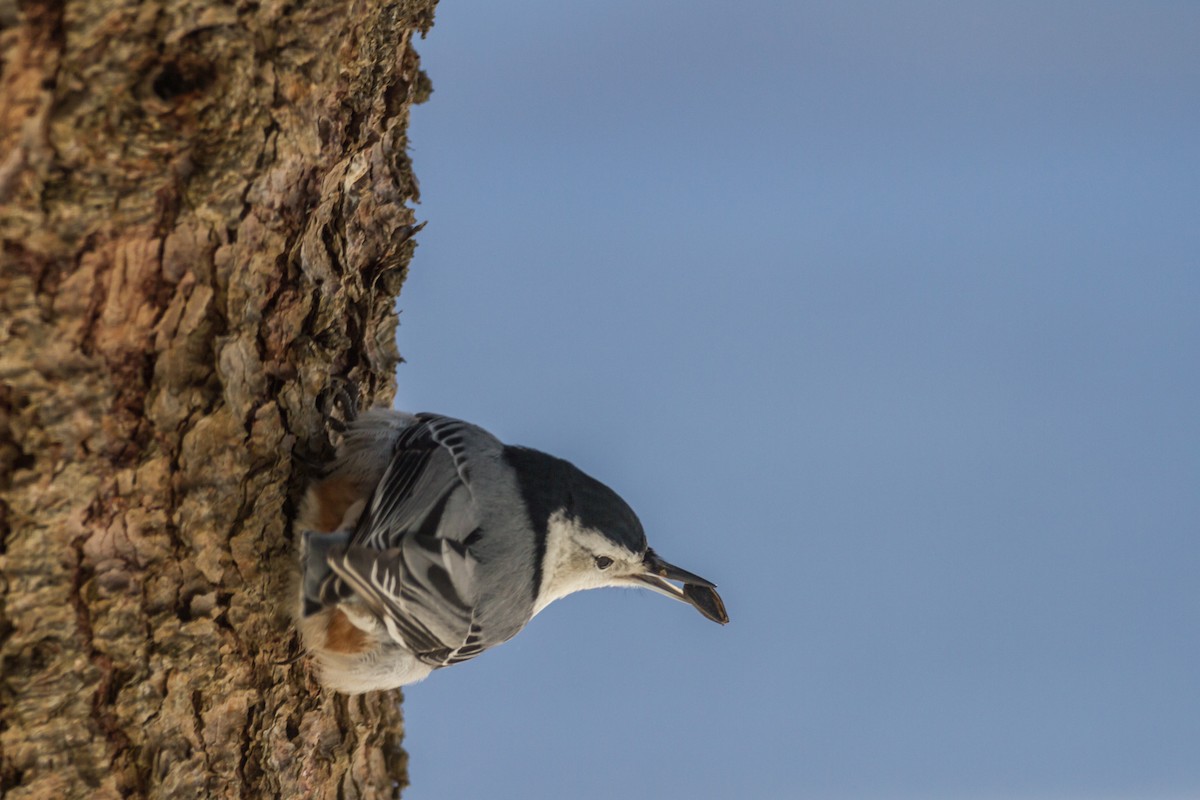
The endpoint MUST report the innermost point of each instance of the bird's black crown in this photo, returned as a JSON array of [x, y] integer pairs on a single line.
[[550, 484]]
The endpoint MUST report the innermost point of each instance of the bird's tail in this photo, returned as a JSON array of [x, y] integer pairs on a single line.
[[316, 548]]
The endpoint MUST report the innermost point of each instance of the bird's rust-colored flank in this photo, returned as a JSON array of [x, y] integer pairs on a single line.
[[343, 636], [330, 500]]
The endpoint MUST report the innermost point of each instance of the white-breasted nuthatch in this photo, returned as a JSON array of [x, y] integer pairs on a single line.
[[428, 541]]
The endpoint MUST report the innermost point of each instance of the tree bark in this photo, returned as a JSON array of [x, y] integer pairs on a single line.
[[203, 222]]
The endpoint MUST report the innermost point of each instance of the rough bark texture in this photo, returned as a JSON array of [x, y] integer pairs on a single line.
[[203, 220]]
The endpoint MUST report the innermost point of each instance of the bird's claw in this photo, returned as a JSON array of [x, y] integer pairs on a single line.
[[341, 395]]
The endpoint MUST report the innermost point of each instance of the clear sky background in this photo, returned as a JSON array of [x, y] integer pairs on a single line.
[[885, 317]]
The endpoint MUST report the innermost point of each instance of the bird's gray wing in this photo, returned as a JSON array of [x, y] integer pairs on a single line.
[[425, 489], [409, 559]]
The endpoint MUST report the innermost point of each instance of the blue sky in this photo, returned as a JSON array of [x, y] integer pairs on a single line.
[[885, 317]]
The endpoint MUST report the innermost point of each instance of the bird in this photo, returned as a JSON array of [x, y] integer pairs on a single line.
[[426, 541]]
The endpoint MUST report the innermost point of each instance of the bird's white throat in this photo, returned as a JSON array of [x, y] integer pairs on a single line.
[[569, 565]]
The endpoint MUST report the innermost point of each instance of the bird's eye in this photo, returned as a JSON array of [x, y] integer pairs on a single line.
[[603, 562]]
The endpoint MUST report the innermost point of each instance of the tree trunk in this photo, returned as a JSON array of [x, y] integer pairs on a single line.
[[203, 220]]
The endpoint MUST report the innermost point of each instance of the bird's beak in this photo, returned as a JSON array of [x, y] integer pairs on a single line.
[[696, 591]]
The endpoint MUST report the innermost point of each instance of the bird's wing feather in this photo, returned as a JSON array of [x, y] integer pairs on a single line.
[[429, 467], [409, 558], [423, 590]]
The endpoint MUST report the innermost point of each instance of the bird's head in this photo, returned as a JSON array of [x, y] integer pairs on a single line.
[[596, 541]]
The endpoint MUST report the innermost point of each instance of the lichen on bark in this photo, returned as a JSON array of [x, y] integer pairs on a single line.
[[204, 222]]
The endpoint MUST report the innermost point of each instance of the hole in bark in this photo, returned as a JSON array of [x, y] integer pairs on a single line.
[[11, 777], [182, 77]]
